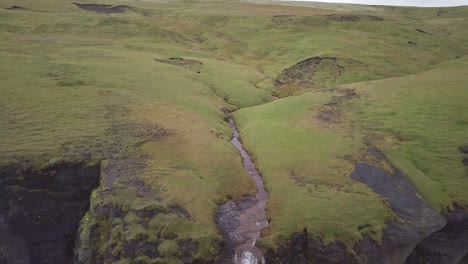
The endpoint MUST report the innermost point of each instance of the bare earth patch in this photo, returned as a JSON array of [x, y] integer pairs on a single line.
[[352, 18], [316, 72], [193, 65], [106, 9], [331, 111], [19, 8]]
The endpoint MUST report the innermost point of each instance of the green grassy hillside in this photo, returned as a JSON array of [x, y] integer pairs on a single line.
[[84, 86], [418, 121]]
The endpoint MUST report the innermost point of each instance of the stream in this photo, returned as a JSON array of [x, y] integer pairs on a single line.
[[241, 222]]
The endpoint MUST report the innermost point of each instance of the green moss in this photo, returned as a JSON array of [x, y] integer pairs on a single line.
[[116, 240], [131, 218], [135, 232], [168, 248]]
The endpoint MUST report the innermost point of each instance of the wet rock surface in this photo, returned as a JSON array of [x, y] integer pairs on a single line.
[[446, 246], [40, 211], [228, 220]]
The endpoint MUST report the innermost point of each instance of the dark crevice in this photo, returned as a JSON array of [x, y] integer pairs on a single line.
[[41, 210]]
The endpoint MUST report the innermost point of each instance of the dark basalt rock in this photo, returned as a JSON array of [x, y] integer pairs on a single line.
[[417, 220], [463, 149], [446, 246], [40, 211]]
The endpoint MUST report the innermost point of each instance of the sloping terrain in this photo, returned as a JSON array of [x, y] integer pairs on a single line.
[[132, 97]]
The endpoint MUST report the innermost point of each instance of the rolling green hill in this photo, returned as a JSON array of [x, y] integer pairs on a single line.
[[142, 90]]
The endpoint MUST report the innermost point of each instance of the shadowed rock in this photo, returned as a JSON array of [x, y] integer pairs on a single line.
[[40, 211], [463, 149], [465, 161]]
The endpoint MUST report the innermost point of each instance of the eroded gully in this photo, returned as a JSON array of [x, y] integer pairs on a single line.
[[241, 222]]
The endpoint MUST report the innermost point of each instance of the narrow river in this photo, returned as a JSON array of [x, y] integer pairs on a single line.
[[242, 222]]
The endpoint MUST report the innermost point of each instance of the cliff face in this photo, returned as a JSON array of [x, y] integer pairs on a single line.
[[40, 211], [416, 220], [128, 222]]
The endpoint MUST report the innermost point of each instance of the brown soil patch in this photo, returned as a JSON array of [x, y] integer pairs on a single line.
[[283, 20], [421, 31], [19, 8], [314, 72], [193, 65], [331, 112], [106, 9], [352, 18]]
